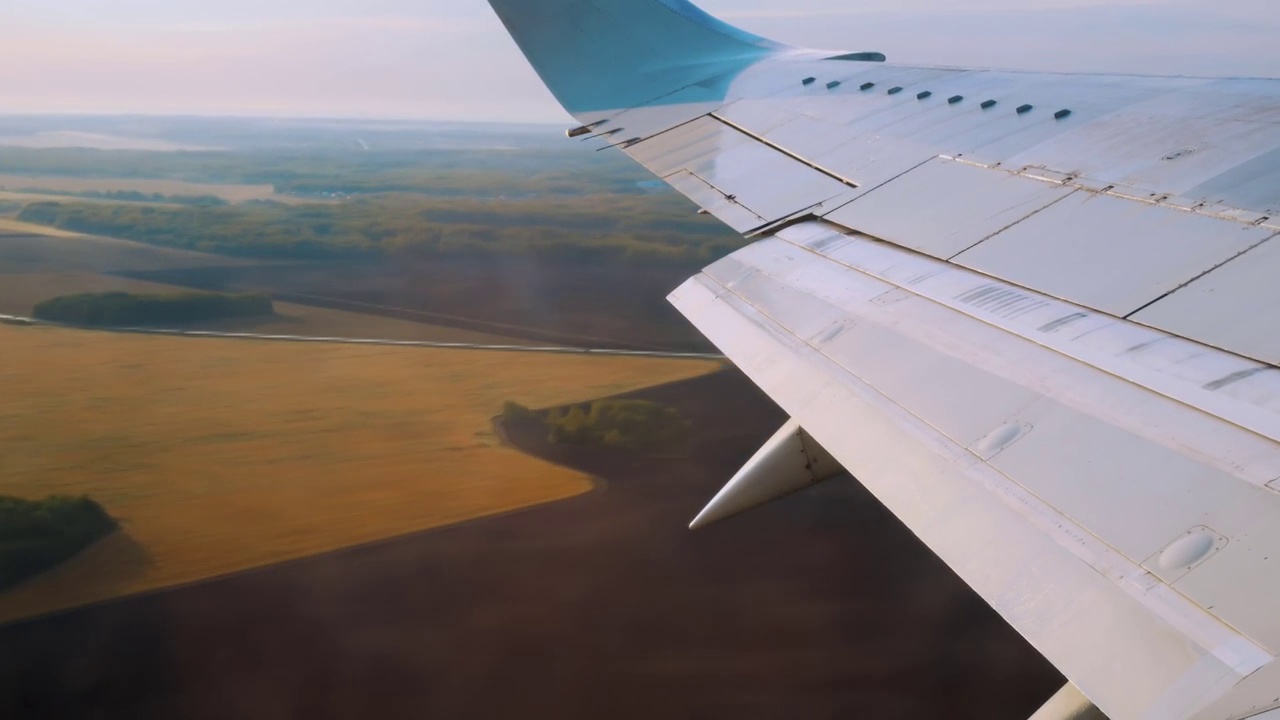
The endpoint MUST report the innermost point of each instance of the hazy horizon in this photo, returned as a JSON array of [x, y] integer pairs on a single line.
[[453, 61]]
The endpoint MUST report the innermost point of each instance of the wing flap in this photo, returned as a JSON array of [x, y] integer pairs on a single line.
[[1110, 253], [1147, 223], [968, 204], [743, 182], [1232, 307]]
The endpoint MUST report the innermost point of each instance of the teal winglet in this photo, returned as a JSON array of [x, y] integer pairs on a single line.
[[599, 55]]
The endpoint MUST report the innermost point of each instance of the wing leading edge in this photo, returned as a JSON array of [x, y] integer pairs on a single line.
[[1031, 312]]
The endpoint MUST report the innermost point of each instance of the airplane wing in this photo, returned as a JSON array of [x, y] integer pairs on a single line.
[[1035, 314]]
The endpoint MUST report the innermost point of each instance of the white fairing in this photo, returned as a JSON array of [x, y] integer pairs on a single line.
[[788, 462], [1068, 704], [1035, 314]]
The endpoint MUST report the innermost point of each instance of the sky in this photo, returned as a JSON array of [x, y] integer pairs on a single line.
[[452, 59]]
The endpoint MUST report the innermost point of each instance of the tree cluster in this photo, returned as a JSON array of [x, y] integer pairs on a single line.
[[37, 534], [638, 425], [122, 309]]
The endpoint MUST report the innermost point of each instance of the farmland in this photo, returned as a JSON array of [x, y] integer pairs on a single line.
[[339, 530], [42, 263], [237, 454], [10, 226], [820, 605], [497, 231], [51, 185]]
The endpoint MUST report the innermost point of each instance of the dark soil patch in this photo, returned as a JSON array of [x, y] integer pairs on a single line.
[[603, 606]]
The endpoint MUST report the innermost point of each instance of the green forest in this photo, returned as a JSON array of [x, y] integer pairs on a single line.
[[638, 425], [565, 169], [640, 227], [134, 196], [405, 194], [37, 534], [121, 309]]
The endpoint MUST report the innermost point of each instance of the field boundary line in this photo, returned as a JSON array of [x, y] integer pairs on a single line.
[[547, 349]]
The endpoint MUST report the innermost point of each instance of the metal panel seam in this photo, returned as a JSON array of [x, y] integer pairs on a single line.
[[1170, 394], [1011, 225], [660, 133], [1113, 190], [873, 188], [1245, 251], [1217, 638], [767, 143]]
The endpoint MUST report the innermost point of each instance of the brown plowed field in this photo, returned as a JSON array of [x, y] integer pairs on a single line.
[[581, 303], [37, 267]]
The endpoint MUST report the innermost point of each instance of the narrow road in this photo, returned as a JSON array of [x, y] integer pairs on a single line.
[[560, 350]]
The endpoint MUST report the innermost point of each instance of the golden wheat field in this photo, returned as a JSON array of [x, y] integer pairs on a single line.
[[221, 455]]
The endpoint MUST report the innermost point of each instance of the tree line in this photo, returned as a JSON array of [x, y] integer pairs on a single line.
[[130, 196], [561, 170], [122, 309], [633, 228]]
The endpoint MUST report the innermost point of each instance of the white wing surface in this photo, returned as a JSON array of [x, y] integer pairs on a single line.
[[1036, 314]]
